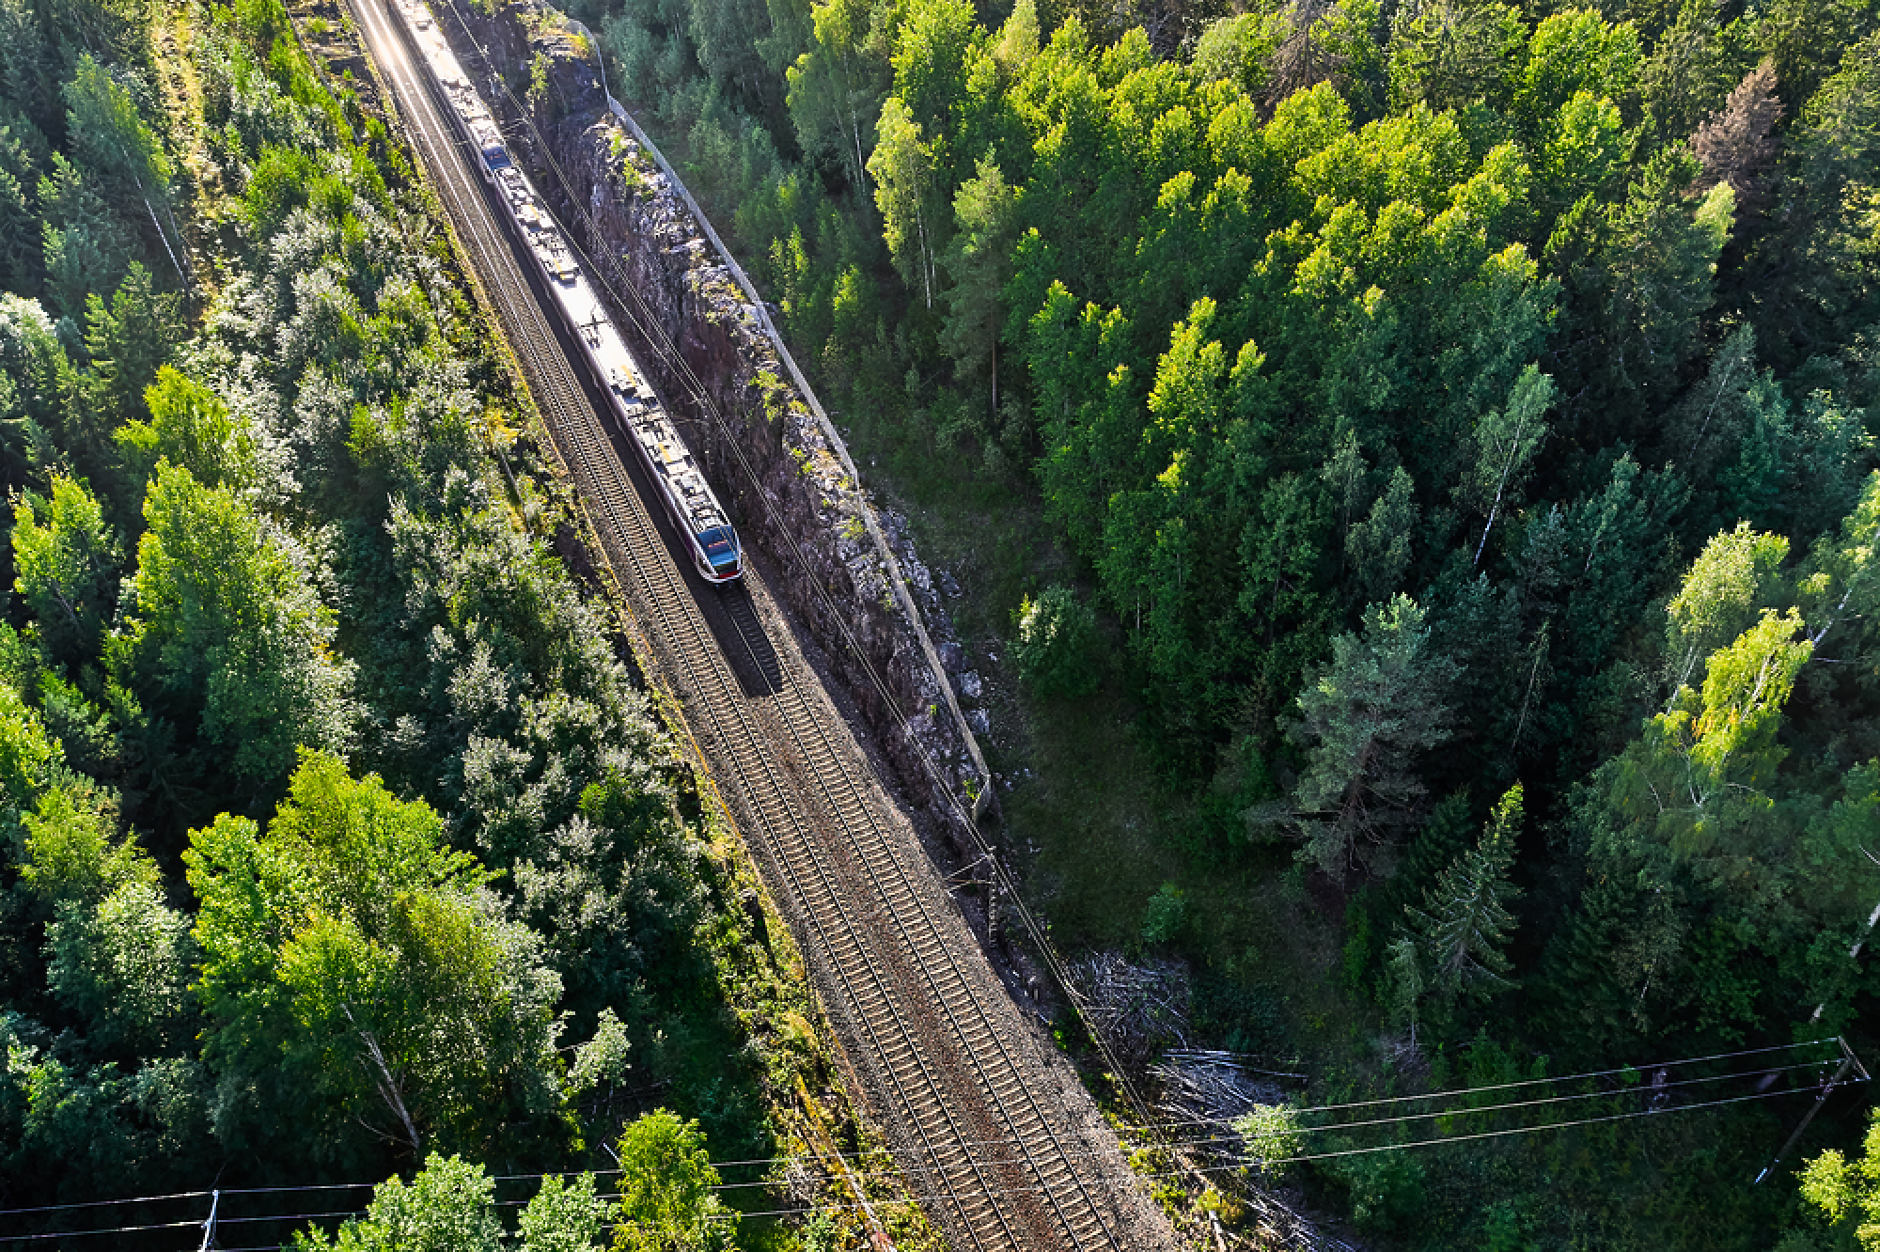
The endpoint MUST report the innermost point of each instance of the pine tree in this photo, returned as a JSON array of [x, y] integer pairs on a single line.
[[1464, 922], [1364, 720]]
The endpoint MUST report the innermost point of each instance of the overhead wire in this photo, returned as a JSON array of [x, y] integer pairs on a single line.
[[702, 397], [1029, 1188], [1206, 1141], [1530, 1082], [1231, 1167]]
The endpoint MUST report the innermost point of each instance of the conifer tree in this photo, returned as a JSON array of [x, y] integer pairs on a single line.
[[128, 339], [1464, 922], [1403, 973], [1379, 546], [1364, 719], [1738, 142]]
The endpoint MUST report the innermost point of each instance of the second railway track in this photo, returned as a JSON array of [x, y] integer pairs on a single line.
[[951, 1069]]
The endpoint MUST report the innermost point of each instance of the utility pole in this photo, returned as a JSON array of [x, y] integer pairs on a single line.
[[992, 901], [1849, 1062]]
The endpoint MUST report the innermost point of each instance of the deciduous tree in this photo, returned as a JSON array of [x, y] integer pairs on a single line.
[[668, 1197], [229, 628], [67, 562], [353, 968]]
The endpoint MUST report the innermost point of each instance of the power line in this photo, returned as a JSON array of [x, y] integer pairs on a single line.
[[894, 1172], [191, 1195], [703, 395], [1428, 1115], [1001, 1140], [1526, 1104], [1033, 1188], [115, 1230], [1388, 1147], [1530, 1082], [92, 1204]]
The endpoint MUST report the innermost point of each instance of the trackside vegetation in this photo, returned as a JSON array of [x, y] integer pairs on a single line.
[[338, 840]]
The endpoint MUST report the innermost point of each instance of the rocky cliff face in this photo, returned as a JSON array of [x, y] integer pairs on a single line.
[[701, 342]]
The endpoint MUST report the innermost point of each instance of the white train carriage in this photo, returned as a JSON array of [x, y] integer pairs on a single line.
[[636, 411]]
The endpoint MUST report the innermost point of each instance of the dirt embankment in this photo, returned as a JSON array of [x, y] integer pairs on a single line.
[[701, 342]]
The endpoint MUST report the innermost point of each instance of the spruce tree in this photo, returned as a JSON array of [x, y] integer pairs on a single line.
[[1464, 922]]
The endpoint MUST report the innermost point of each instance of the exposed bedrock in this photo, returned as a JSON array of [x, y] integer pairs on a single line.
[[699, 339]]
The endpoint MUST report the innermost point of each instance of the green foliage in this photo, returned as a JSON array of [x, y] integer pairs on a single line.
[[348, 993], [1455, 53], [1385, 1190], [1364, 720], [27, 755], [564, 1216], [65, 1123], [1464, 924], [124, 966], [191, 427], [228, 627], [127, 341], [1506, 441], [1379, 546], [667, 1197], [1659, 266], [72, 856], [1847, 1193], [66, 559], [1719, 596], [109, 136], [1057, 649], [985, 211], [84, 249], [1165, 916], [1269, 1133], [449, 1206], [344, 945]]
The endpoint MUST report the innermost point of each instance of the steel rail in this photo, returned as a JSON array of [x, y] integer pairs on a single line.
[[790, 798]]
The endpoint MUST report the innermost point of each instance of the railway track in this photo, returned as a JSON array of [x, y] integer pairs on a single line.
[[940, 1047]]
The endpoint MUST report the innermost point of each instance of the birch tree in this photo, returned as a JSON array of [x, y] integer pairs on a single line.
[[1506, 440], [355, 969]]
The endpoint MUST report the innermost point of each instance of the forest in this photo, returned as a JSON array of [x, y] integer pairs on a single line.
[[1441, 434], [343, 845]]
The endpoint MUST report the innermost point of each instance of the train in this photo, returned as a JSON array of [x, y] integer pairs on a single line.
[[636, 411]]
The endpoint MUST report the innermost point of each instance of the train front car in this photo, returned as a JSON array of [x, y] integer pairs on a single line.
[[713, 543], [724, 560], [695, 512]]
